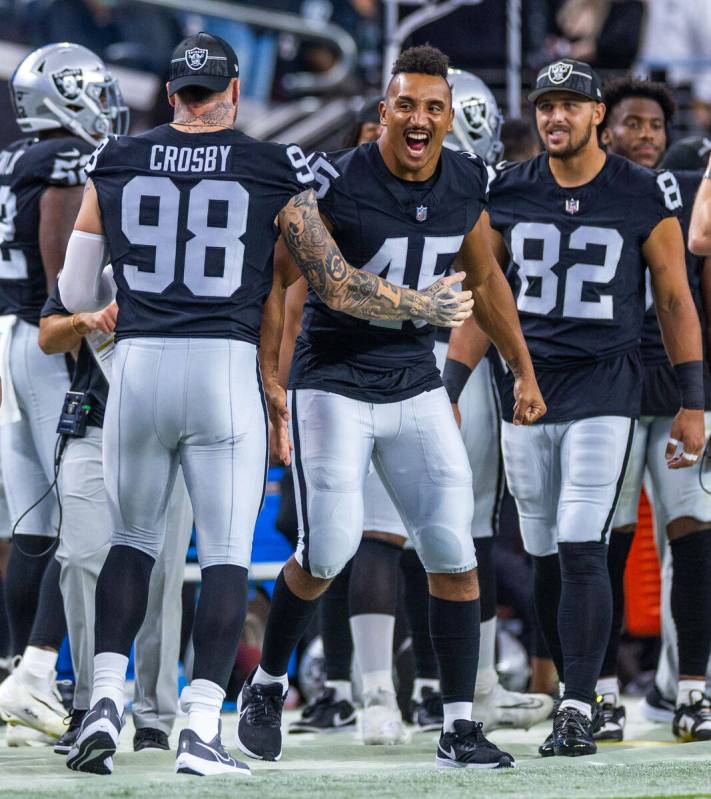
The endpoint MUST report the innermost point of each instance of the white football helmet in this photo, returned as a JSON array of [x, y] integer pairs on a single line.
[[477, 118], [67, 86]]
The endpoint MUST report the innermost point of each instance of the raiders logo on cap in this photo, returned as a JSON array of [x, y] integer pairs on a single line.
[[559, 72], [196, 57]]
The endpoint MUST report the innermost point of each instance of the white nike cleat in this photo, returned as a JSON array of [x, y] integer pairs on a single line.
[[381, 719], [202, 759], [501, 708], [33, 704], [17, 735]]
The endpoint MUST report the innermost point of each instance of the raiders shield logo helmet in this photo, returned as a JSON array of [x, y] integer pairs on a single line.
[[477, 120], [69, 82], [67, 86]]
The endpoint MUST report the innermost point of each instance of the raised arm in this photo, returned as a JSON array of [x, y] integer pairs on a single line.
[[355, 291], [681, 333], [496, 316]]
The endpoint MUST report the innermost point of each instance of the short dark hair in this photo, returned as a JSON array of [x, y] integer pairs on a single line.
[[619, 89], [195, 95], [422, 60]]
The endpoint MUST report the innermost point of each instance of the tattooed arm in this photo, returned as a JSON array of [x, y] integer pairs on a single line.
[[354, 291]]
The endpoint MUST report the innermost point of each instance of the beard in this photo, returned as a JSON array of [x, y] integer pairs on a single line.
[[575, 145]]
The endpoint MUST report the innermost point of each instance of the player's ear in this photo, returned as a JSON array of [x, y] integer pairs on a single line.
[[171, 99], [235, 91], [599, 113], [381, 111], [451, 120]]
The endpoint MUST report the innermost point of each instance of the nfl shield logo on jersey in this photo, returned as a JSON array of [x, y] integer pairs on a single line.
[[559, 72], [196, 57], [69, 82], [421, 213], [572, 206]]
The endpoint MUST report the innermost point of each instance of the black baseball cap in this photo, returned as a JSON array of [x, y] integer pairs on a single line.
[[202, 60], [568, 75]]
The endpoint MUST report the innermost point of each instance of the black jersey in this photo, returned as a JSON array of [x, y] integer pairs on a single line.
[[660, 393], [27, 168], [409, 234], [577, 272], [190, 224], [87, 376]]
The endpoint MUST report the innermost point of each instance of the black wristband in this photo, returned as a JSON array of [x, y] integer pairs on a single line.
[[690, 380], [454, 376]]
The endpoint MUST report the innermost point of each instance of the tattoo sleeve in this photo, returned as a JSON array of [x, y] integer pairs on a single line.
[[338, 284]]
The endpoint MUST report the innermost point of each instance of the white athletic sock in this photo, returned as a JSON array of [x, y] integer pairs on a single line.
[[109, 678], [561, 689], [487, 645], [684, 689], [262, 677], [581, 707], [38, 664], [423, 682], [204, 703], [486, 681], [608, 686], [454, 711], [372, 635], [343, 689]]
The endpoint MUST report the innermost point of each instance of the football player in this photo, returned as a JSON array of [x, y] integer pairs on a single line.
[[407, 208], [636, 124], [188, 213], [575, 254], [66, 100], [86, 537]]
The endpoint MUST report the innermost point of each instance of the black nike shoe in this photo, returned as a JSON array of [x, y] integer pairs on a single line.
[[150, 738], [96, 743], [656, 707], [467, 747], [326, 714], [611, 726], [259, 720], [202, 759], [65, 743], [427, 714], [692, 722], [573, 733]]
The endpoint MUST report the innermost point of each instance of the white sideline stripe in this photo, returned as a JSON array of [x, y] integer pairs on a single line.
[[258, 572]]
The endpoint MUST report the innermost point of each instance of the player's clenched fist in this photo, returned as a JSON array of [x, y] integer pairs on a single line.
[[528, 401]]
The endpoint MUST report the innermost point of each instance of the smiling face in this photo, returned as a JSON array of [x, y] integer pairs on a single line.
[[637, 130], [416, 116], [565, 122]]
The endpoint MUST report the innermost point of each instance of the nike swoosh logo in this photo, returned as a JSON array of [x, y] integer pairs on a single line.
[[450, 754], [228, 760], [339, 721]]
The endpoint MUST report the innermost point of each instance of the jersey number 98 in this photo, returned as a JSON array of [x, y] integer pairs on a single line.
[[163, 236]]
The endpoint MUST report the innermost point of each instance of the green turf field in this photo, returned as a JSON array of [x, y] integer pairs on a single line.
[[648, 764]]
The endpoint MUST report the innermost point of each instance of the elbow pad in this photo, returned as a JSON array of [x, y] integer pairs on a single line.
[[84, 284]]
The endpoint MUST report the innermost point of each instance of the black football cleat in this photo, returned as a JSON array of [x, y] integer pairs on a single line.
[[427, 714], [259, 710], [692, 722], [326, 714], [611, 726], [96, 743], [202, 759], [573, 733], [150, 738], [65, 743], [466, 747]]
